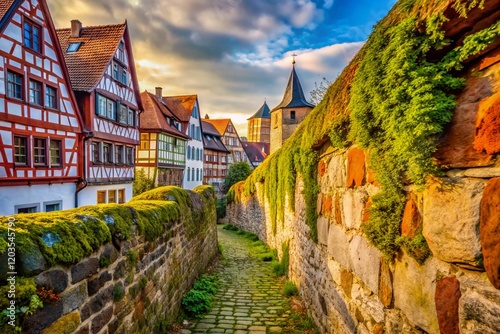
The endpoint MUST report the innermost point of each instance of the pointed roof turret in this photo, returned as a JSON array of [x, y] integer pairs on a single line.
[[294, 95], [263, 112]]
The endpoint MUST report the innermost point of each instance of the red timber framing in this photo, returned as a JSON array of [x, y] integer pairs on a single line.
[[40, 126], [109, 99]]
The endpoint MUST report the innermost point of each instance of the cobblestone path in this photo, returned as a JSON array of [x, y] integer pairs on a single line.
[[250, 297]]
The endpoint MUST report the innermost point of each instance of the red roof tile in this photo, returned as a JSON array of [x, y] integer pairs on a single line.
[[153, 116], [219, 124], [181, 106], [4, 7], [87, 65]]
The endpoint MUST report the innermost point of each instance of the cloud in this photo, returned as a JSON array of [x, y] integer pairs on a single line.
[[232, 53]]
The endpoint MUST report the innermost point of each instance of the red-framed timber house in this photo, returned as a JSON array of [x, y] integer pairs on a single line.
[[40, 126], [103, 77]]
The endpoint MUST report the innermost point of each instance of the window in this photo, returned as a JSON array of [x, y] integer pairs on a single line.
[[122, 113], [28, 208], [32, 35], [119, 154], [188, 173], [121, 52], [121, 196], [20, 150], [73, 47], [292, 114], [115, 71], [14, 85], [39, 151], [129, 155], [35, 92], [101, 196], [192, 174], [105, 107], [96, 152], [112, 196], [106, 153], [55, 152], [189, 153], [52, 206], [131, 117], [50, 97], [124, 76]]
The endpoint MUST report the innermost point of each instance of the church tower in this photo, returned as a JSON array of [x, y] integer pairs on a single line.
[[259, 125], [286, 117]]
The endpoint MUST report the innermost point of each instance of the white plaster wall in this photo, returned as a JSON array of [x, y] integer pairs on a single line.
[[191, 163], [36, 194], [88, 196]]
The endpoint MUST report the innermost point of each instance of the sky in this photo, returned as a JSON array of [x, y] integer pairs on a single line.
[[233, 54]]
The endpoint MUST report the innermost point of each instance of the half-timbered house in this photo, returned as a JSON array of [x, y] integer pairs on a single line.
[[162, 153], [231, 140], [186, 108], [40, 126], [215, 162], [103, 76]]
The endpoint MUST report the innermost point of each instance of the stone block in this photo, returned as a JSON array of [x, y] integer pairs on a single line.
[[73, 298], [487, 132], [412, 219], [110, 253], [94, 285], [335, 271], [120, 270], [385, 284], [323, 224], [97, 303], [355, 167], [67, 324], [447, 297], [365, 261], [321, 168], [42, 318], [326, 205], [338, 245], [335, 173], [101, 320], [30, 261], [490, 230], [369, 303], [346, 281], [353, 204], [414, 289], [451, 220], [56, 279], [84, 269]]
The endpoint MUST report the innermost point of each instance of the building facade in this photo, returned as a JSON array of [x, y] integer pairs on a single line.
[[215, 162], [230, 139], [259, 125], [286, 117], [187, 110], [162, 152], [256, 152], [102, 72], [40, 126]]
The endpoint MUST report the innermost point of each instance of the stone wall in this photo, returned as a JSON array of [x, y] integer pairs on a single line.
[[350, 286], [133, 285]]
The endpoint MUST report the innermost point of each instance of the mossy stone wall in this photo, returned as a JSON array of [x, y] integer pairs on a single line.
[[133, 281]]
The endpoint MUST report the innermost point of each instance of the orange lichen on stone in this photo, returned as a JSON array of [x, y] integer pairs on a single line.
[[326, 206], [447, 298], [487, 137], [366, 211], [338, 212], [412, 220], [321, 168], [490, 59], [490, 230], [355, 167]]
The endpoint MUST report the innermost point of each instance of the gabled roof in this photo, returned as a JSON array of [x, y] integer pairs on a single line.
[[182, 105], [294, 95], [153, 116], [87, 65], [256, 151], [5, 5], [219, 124], [211, 137], [263, 112]]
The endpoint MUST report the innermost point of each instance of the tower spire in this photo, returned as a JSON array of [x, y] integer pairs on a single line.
[[293, 58]]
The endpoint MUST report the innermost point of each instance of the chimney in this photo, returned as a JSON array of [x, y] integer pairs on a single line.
[[158, 92], [76, 28]]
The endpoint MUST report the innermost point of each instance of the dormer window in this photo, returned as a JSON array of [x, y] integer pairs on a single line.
[[73, 47], [31, 33], [120, 73], [121, 52]]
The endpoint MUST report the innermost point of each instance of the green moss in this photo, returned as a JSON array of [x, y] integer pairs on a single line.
[[132, 258], [65, 325], [25, 288]]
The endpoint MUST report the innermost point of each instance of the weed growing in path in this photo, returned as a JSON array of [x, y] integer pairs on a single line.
[[290, 289], [198, 300]]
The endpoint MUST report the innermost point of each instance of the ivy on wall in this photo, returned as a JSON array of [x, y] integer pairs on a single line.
[[392, 100]]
